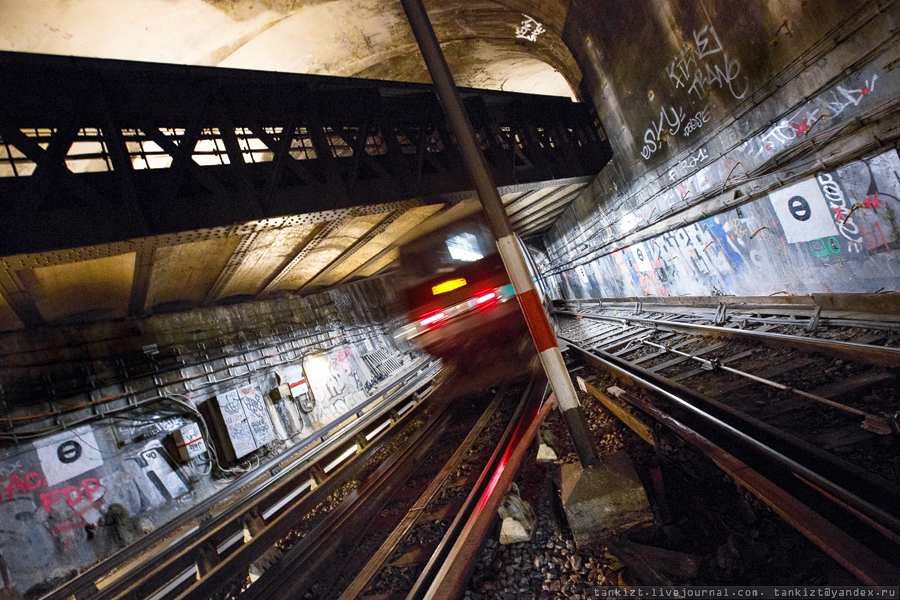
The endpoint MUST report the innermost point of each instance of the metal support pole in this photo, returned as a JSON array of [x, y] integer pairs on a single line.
[[510, 252]]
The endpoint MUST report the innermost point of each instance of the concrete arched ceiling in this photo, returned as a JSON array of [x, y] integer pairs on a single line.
[[364, 38]]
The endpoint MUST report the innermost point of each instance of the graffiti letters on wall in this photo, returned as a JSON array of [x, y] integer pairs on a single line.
[[246, 419], [702, 65], [832, 232], [689, 178], [66, 505], [529, 29], [836, 104], [703, 62], [337, 380]]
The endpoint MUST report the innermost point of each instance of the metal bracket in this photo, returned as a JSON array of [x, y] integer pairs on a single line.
[[720, 314], [814, 320], [710, 364]]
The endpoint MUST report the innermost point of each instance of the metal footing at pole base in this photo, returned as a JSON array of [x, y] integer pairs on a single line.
[[603, 501]]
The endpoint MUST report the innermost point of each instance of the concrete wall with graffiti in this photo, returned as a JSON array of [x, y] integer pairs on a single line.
[[76, 497], [754, 152], [75, 486], [662, 73], [810, 236]]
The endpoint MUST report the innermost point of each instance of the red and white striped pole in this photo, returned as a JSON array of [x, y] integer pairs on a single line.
[[510, 251]]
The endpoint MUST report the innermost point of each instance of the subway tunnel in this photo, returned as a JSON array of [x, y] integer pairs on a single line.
[[234, 258]]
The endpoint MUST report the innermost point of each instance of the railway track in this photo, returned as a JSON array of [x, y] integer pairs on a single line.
[[434, 512], [807, 404], [355, 507], [396, 500], [412, 562]]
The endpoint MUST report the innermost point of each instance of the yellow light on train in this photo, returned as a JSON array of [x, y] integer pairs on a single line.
[[447, 286]]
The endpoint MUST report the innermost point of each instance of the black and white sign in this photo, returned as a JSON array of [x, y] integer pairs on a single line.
[[641, 259], [582, 274], [803, 212], [68, 454]]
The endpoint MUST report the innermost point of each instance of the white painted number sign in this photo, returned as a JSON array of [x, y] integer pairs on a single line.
[[803, 212], [68, 454]]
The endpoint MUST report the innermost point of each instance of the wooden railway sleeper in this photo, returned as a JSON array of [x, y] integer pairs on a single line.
[[813, 323], [881, 425]]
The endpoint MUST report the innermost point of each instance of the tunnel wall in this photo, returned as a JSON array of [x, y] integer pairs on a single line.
[[790, 242], [754, 150], [84, 472]]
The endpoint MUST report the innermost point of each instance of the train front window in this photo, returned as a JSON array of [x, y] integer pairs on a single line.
[[464, 247], [459, 245]]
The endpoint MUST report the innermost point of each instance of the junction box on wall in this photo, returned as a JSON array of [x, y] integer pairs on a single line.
[[189, 441]]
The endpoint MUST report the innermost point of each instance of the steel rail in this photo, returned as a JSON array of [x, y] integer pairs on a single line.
[[876, 355], [873, 423], [365, 577], [294, 576], [220, 574], [887, 523], [879, 304], [857, 558], [781, 314], [276, 526], [291, 472], [478, 490], [452, 562], [295, 570]]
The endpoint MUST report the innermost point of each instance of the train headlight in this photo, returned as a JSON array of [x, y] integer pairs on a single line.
[[432, 319]]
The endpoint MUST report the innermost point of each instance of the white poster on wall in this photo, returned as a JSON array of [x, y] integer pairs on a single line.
[[68, 454], [236, 423], [803, 212], [641, 259], [246, 419]]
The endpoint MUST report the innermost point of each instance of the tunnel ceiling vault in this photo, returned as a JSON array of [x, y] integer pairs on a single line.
[[184, 237], [362, 38], [129, 188], [229, 265]]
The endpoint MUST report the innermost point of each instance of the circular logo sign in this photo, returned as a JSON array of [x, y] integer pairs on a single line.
[[799, 208], [68, 452]]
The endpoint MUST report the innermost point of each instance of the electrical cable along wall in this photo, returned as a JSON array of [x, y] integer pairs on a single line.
[[763, 161], [99, 446]]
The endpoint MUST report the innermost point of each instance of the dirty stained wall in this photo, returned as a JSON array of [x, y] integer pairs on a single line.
[[754, 150], [800, 240], [88, 458]]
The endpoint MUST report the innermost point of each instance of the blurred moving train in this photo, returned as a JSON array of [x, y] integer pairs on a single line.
[[460, 302]]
